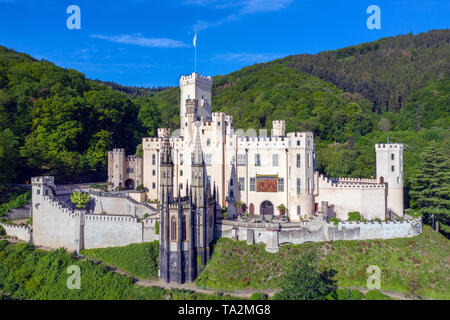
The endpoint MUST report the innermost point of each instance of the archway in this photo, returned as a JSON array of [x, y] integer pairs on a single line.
[[129, 184], [266, 210]]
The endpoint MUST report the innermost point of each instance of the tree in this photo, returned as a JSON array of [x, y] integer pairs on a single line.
[[80, 199], [430, 190], [302, 281]]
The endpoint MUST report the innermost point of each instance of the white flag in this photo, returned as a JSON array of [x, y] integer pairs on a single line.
[[195, 39]]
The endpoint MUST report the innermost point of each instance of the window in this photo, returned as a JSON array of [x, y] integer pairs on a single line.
[[208, 160], [275, 160], [241, 184], [38, 191], [208, 179], [241, 159], [392, 156], [298, 186], [252, 184], [153, 172], [309, 185], [298, 142], [298, 160], [280, 184], [173, 229], [181, 173], [208, 142], [153, 185], [257, 160], [181, 186], [153, 159], [309, 160], [299, 211], [398, 179], [181, 159], [392, 168]]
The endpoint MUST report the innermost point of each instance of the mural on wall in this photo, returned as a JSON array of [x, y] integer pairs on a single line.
[[266, 183]]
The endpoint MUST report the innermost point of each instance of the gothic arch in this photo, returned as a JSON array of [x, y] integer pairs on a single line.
[[173, 229], [266, 208]]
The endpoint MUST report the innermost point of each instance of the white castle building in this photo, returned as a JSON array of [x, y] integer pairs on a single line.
[[262, 172]]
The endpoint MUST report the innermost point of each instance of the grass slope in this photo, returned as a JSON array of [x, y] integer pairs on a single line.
[[139, 260], [410, 265]]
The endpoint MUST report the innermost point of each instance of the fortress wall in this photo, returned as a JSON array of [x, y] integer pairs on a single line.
[[149, 230], [118, 206], [53, 225], [367, 198], [20, 232], [101, 231], [274, 236]]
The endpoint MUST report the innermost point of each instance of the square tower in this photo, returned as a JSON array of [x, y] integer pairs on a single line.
[[390, 171]]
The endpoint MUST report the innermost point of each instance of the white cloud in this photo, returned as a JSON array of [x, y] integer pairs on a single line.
[[138, 40], [247, 57], [246, 7]]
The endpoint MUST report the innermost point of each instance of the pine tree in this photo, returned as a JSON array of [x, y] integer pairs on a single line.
[[430, 190]]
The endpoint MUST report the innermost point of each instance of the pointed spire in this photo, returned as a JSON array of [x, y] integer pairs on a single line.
[[198, 154]]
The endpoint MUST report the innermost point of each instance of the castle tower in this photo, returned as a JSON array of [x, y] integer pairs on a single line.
[[278, 128], [116, 167], [195, 98], [390, 171], [166, 169]]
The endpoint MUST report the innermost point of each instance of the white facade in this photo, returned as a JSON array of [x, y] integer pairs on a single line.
[[274, 170]]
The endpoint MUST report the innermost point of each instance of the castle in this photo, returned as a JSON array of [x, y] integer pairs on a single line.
[[204, 178], [261, 172]]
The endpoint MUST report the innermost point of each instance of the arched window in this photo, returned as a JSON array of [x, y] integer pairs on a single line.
[[173, 229], [210, 220]]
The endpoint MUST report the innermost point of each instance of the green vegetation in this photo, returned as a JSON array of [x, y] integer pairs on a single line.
[[354, 216], [81, 199], [335, 221], [27, 273], [346, 294], [302, 281], [157, 227], [430, 194], [17, 200], [258, 296], [103, 186], [2, 231], [376, 295], [416, 265], [139, 260]]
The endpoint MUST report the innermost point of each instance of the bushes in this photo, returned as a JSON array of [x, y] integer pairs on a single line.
[[157, 227], [2, 232], [354, 216], [103, 187], [80, 199], [335, 221], [16, 201]]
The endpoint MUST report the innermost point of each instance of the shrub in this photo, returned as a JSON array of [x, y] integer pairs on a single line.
[[118, 188], [80, 199], [140, 188], [335, 221], [376, 295], [16, 201], [354, 216], [258, 296], [2, 231], [225, 214], [103, 187]]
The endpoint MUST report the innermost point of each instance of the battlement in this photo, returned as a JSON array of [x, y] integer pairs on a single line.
[[300, 135], [411, 222], [161, 132], [195, 77], [43, 179], [358, 180], [388, 146], [14, 227], [118, 150], [106, 217]]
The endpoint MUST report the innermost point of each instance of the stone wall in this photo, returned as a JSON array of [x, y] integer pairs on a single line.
[[22, 233], [274, 234]]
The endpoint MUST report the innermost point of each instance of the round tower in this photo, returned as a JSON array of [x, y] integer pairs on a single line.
[[390, 172]]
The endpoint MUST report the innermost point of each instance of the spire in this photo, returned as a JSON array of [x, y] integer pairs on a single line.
[[198, 154]]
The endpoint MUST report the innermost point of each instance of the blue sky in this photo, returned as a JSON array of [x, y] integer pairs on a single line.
[[149, 43]]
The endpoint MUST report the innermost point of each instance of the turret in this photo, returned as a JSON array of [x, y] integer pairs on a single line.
[[166, 168]]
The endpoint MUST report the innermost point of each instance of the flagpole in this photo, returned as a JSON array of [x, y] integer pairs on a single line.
[[195, 59]]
